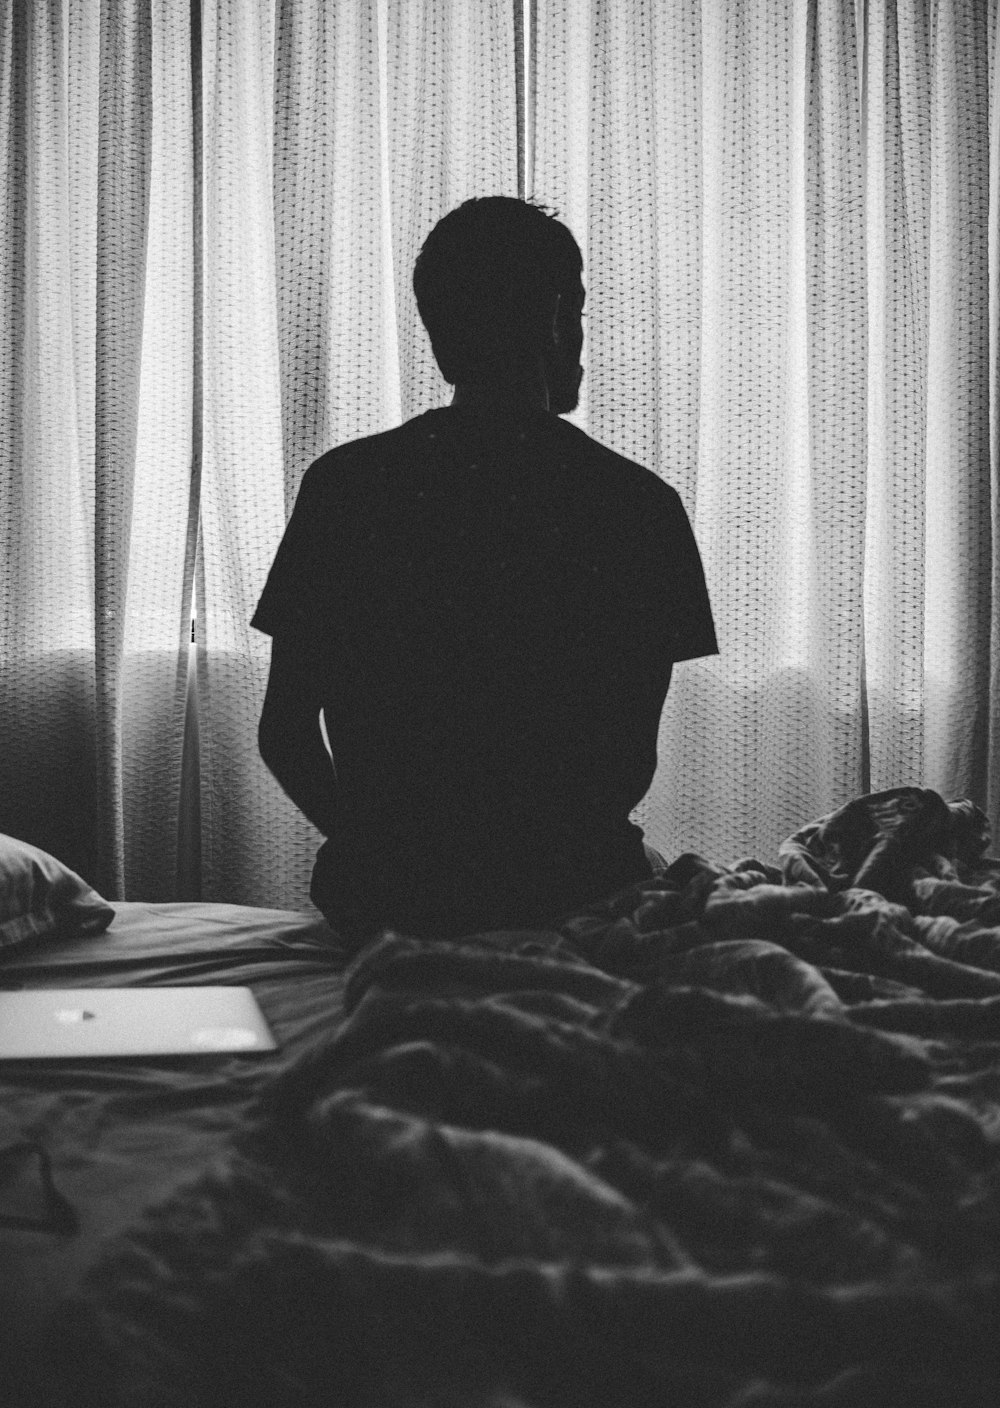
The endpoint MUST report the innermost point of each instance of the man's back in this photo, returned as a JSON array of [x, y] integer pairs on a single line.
[[494, 608]]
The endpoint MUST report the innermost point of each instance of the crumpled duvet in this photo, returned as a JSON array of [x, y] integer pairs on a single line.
[[729, 1140]]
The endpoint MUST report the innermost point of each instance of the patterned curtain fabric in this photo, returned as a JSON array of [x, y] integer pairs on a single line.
[[784, 214], [789, 220], [95, 432], [335, 136]]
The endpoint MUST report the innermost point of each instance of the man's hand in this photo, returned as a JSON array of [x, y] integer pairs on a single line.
[[289, 736]]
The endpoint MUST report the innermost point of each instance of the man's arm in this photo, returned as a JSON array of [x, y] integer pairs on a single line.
[[289, 736]]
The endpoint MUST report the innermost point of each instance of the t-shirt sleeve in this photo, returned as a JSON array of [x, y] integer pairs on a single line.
[[290, 601], [677, 604]]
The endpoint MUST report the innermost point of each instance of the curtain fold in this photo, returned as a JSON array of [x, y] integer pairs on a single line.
[[338, 135], [46, 431], [124, 151], [246, 822], [786, 259], [993, 243], [722, 190], [96, 434], [959, 535], [788, 216]]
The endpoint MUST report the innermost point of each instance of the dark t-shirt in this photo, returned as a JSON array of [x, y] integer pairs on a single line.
[[493, 608]]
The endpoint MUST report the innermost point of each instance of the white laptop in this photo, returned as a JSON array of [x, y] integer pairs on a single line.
[[168, 1021]]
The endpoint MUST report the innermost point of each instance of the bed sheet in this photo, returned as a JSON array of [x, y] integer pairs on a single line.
[[120, 1134], [729, 1139]]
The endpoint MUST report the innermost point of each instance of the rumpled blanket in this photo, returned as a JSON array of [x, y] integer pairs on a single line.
[[728, 1140]]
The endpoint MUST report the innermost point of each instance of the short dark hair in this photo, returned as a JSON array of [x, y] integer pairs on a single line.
[[481, 278]]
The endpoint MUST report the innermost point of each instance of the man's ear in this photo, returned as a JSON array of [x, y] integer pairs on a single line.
[[553, 323]]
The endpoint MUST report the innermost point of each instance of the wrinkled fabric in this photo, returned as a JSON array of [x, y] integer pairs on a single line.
[[728, 1138]]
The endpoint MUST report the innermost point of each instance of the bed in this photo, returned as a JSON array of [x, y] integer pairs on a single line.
[[729, 1138]]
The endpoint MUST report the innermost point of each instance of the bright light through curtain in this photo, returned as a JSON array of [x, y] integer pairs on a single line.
[[95, 432], [338, 134], [792, 275], [784, 211]]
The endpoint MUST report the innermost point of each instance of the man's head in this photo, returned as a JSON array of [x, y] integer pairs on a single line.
[[498, 286]]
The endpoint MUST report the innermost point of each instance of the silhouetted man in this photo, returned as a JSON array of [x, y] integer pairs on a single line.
[[486, 605]]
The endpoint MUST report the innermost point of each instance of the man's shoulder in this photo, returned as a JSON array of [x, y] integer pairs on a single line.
[[340, 479], [361, 454], [647, 489], [356, 461]]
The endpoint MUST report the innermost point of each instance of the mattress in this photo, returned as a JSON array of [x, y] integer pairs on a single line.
[[729, 1138], [120, 1135]]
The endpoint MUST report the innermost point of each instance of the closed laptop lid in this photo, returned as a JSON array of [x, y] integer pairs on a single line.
[[161, 1021]]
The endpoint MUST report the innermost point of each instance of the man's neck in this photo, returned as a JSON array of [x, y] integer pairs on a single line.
[[508, 398]]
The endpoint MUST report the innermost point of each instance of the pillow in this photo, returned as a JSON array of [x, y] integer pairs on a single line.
[[40, 896]]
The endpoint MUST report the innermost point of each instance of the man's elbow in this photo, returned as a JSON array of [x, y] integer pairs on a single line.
[[287, 736]]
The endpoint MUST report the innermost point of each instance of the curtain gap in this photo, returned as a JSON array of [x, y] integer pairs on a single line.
[[531, 72], [520, 55], [993, 277], [391, 318], [188, 873], [861, 49], [524, 81], [198, 292]]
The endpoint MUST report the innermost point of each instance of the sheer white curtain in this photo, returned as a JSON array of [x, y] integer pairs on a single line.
[[335, 137], [784, 211], [95, 432], [211, 216]]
